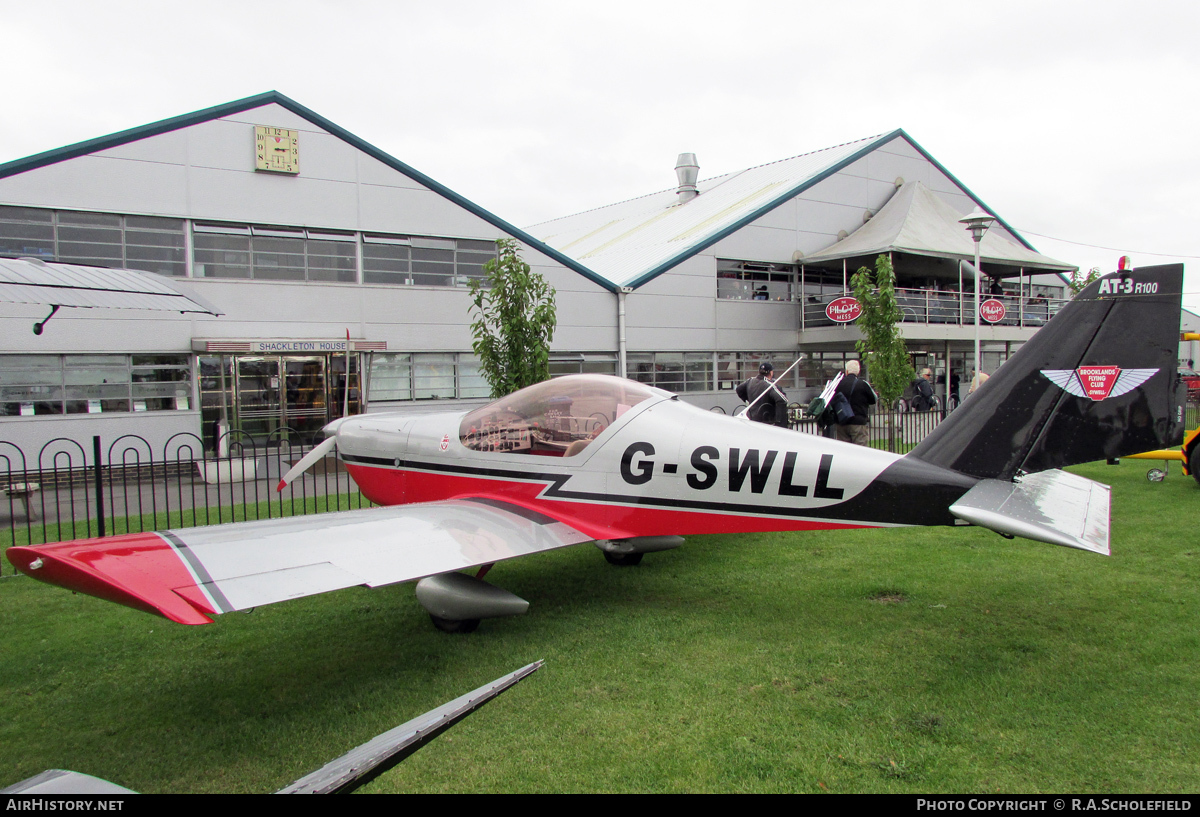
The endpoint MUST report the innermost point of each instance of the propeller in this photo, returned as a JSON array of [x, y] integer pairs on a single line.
[[307, 461]]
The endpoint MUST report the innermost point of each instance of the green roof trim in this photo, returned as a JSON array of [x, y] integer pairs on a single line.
[[274, 97], [882, 140]]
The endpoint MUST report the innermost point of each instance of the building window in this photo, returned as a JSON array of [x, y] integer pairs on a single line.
[[678, 372], [33, 385], [94, 239], [274, 253], [735, 367], [426, 376], [582, 363], [417, 261], [755, 281]]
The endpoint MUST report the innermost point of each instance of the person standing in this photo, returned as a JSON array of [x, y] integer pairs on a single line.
[[861, 397], [923, 391], [772, 408]]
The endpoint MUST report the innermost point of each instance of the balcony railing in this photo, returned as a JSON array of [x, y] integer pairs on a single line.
[[954, 308]]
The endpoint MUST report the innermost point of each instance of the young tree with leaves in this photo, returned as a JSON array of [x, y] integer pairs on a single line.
[[1079, 279], [881, 347], [514, 321]]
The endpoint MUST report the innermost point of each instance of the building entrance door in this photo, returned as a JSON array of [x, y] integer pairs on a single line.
[[263, 394], [275, 392]]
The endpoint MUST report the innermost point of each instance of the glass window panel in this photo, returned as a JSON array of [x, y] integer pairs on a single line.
[[219, 229], [640, 367], [174, 225], [698, 372], [422, 279], [386, 239], [105, 361], [433, 376], [97, 219], [434, 243], [161, 360], [471, 382], [444, 256], [32, 214], [36, 240], [143, 238], [394, 278], [391, 377], [477, 246]]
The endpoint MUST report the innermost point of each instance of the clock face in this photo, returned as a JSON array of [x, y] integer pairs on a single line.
[[276, 150]]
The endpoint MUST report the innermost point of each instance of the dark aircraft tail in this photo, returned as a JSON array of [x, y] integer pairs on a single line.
[[1099, 381]]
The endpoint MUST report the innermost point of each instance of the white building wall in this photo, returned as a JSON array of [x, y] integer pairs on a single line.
[[205, 172]]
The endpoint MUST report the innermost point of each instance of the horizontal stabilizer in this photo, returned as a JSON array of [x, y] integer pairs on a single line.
[[1052, 506]]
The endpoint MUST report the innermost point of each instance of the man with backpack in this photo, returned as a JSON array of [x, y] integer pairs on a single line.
[[923, 391], [857, 397], [772, 408]]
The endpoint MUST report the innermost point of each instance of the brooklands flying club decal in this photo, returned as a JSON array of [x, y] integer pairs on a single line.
[[1098, 382]]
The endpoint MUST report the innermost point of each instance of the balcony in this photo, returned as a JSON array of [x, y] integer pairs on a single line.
[[927, 306]]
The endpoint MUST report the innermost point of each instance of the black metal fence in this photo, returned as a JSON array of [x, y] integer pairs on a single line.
[[65, 491], [896, 429]]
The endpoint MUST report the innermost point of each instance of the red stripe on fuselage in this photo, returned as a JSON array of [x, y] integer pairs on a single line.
[[601, 520], [139, 570]]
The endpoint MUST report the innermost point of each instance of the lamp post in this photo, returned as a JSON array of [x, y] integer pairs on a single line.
[[977, 223]]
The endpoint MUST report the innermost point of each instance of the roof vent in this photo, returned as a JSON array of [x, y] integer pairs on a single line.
[[688, 171]]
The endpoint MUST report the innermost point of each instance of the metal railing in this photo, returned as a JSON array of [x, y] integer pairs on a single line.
[[127, 486], [895, 429], [958, 308]]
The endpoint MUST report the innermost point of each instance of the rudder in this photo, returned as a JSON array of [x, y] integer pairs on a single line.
[[1098, 381]]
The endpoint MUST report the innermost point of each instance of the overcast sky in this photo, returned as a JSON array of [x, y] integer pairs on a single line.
[[1075, 121]]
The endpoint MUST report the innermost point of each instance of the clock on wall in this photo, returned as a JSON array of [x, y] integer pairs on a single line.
[[276, 150]]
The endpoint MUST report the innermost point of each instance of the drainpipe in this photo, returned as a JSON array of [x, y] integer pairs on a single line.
[[622, 371]]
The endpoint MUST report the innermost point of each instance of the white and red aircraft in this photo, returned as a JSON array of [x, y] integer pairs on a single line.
[[633, 469]]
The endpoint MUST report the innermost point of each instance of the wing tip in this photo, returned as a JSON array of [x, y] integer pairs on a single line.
[[56, 565]]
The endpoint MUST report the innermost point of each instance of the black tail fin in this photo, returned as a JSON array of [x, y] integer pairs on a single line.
[[1100, 380]]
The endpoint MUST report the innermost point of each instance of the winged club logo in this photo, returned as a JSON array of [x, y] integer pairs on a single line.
[[1098, 382]]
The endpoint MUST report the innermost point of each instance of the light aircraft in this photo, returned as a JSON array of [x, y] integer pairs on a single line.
[[634, 469]]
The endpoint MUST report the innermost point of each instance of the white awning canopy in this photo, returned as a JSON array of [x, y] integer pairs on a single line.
[[919, 222], [33, 281]]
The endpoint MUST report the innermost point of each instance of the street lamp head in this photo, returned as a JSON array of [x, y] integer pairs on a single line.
[[978, 223]]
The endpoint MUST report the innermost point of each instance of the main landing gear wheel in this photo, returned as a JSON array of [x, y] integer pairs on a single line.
[[450, 625], [1194, 462], [624, 559]]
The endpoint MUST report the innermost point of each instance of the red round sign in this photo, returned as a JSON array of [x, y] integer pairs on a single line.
[[843, 310], [991, 310]]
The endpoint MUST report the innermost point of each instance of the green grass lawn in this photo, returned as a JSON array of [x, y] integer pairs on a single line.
[[920, 660]]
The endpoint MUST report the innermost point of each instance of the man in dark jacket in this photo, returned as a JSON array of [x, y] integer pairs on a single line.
[[772, 408], [861, 397], [923, 391]]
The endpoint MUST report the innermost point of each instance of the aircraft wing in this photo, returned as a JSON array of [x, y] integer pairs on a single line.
[[191, 574]]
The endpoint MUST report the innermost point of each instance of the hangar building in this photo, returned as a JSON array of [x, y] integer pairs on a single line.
[[343, 274]]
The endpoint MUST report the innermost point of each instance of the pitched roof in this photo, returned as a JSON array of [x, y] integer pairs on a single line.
[[275, 98], [917, 221], [633, 242]]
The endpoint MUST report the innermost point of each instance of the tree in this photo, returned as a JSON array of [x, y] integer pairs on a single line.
[[881, 347], [1079, 280], [514, 321]]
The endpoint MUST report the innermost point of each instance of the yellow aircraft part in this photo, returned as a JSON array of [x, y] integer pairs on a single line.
[[1156, 455]]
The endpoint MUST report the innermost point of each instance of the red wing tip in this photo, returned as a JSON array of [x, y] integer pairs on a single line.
[[59, 565], [282, 484]]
